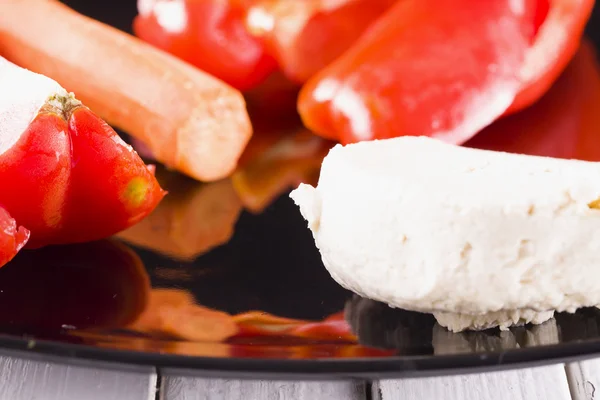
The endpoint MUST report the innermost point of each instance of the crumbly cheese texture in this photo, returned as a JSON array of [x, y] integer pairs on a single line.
[[431, 227], [23, 94], [503, 319]]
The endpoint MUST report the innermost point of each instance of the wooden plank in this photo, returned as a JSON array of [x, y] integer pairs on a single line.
[[221, 389], [543, 383], [584, 379], [34, 380]]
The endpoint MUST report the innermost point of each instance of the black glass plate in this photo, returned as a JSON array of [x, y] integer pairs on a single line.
[[223, 279]]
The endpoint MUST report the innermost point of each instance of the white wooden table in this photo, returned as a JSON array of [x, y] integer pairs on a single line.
[[33, 380]]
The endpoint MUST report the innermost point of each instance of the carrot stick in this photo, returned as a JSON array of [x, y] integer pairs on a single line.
[[191, 121]]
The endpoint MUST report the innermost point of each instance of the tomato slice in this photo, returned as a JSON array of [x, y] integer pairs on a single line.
[[305, 36], [12, 238], [209, 34], [75, 181], [441, 68], [37, 170], [110, 187]]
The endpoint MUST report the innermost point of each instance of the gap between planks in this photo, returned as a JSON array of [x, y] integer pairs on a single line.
[[584, 379]]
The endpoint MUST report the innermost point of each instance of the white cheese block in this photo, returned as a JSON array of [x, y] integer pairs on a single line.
[[432, 227], [23, 94]]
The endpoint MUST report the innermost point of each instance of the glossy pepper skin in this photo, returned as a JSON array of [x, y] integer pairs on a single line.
[[564, 123], [209, 34], [555, 44], [305, 36], [73, 179], [442, 68], [12, 237]]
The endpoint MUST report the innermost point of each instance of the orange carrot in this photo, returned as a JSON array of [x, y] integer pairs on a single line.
[[191, 121]]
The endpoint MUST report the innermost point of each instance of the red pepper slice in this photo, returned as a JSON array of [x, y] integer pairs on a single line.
[[305, 36], [12, 238], [564, 123], [443, 68], [555, 45], [209, 34]]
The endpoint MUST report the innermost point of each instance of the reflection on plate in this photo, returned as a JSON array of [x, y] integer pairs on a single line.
[[93, 285], [414, 333]]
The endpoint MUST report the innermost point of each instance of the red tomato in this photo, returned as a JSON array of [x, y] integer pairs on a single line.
[[441, 68], [108, 178], [37, 170], [326, 330], [72, 179], [209, 34], [12, 238]]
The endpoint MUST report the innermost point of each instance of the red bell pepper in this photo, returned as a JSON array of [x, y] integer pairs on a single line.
[[555, 45], [209, 34], [71, 178], [305, 36], [442, 68], [564, 123], [12, 237]]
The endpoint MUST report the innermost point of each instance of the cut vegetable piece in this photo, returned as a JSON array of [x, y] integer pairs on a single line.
[[564, 123], [442, 68], [12, 237], [305, 36], [110, 188], [209, 34], [71, 178], [191, 121], [35, 160], [37, 169], [555, 45]]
